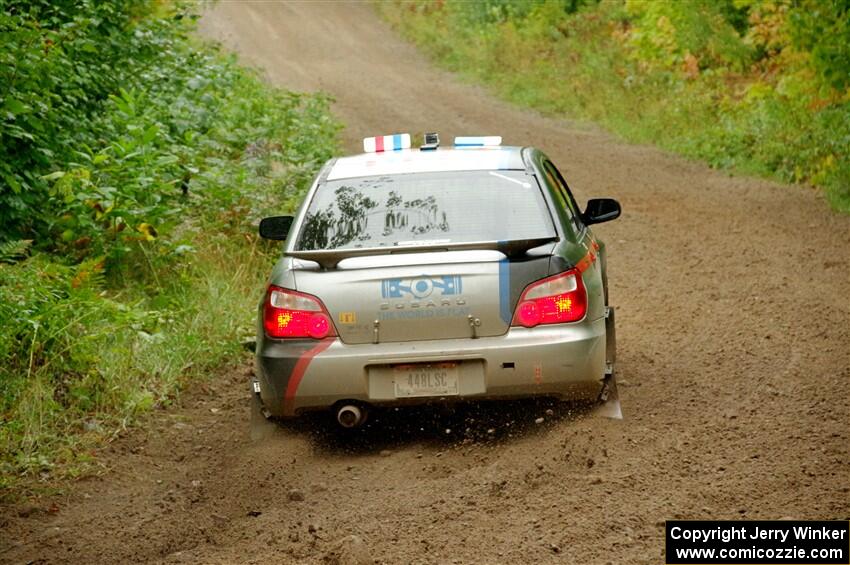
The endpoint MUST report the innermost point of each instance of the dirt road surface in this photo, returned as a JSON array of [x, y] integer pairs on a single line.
[[733, 299]]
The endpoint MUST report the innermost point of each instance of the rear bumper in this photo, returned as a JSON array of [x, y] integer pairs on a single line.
[[566, 361]]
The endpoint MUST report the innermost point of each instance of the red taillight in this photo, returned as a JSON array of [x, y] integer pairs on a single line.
[[287, 313], [554, 300]]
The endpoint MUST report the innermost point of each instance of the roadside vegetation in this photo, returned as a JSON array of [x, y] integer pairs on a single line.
[[134, 165], [759, 86]]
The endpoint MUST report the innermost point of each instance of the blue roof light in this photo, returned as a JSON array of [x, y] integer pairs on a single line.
[[479, 141]]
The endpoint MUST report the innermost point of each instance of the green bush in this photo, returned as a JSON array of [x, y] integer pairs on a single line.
[[756, 85], [109, 118], [58, 62], [135, 163]]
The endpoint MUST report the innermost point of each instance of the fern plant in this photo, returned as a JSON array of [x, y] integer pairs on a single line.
[[15, 250]]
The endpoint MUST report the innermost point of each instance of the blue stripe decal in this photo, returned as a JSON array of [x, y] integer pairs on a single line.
[[397, 142], [505, 290]]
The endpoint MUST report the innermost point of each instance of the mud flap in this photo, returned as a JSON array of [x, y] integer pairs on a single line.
[[261, 425], [609, 398]]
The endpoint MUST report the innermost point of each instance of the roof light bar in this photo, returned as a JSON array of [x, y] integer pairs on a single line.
[[479, 141], [395, 142]]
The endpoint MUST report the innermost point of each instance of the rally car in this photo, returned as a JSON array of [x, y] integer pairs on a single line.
[[434, 274]]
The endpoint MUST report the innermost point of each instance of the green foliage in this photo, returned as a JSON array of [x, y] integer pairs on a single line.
[[822, 28], [756, 85], [109, 118], [54, 75], [667, 33], [135, 164]]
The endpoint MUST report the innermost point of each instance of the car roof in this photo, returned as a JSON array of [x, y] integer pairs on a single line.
[[416, 161]]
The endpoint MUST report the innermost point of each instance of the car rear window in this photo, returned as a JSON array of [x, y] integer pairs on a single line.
[[426, 208]]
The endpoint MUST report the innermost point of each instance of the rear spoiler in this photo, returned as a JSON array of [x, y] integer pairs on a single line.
[[328, 258]]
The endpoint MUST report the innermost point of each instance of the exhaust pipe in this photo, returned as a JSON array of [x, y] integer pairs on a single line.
[[350, 416]]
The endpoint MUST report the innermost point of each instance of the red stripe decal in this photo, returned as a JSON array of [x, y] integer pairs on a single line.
[[298, 374], [585, 262], [379, 143]]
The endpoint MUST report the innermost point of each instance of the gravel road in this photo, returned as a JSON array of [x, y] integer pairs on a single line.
[[733, 299]]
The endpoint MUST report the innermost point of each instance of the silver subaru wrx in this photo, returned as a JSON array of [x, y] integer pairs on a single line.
[[416, 275]]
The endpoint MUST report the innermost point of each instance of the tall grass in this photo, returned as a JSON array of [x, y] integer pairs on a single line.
[[131, 265]]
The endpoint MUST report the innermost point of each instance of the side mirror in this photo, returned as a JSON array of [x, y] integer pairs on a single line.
[[600, 210], [275, 227]]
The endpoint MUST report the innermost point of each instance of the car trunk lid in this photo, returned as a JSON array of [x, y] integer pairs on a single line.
[[421, 296]]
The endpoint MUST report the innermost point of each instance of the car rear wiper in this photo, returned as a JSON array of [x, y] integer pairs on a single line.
[[329, 258]]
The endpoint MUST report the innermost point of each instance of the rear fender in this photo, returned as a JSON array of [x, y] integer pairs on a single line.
[[603, 263]]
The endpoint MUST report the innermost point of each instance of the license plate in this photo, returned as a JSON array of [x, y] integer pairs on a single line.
[[425, 379]]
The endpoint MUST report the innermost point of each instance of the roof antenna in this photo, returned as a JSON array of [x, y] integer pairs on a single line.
[[432, 141]]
